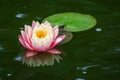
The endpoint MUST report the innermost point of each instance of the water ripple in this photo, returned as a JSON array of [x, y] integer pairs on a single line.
[[86, 67]]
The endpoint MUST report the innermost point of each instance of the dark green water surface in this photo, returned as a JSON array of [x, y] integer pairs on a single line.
[[91, 55]]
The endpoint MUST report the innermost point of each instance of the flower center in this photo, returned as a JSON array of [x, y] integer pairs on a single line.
[[41, 33]]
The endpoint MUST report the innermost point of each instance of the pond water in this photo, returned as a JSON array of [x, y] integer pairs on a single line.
[[91, 55]]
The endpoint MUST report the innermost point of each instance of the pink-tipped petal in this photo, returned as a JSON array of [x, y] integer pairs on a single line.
[[23, 35], [30, 53], [33, 24], [58, 40], [55, 32], [26, 27], [28, 39], [46, 23], [27, 33], [25, 44], [21, 41], [37, 23], [28, 46], [54, 51]]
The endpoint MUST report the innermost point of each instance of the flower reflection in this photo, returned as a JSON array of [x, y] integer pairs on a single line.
[[33, 59]]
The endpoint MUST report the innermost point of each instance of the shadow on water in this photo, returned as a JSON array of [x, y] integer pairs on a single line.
[[90, 55]]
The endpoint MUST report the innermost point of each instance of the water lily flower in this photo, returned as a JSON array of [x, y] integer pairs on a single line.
[[41, 37], [39, 59]]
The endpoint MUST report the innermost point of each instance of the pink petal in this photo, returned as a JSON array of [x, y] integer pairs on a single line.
[[33, 24], [46, 23], [57, 41], [27, 33], [37, 23], [21, 41], [55, 32], [54, 51], [23, 35], [26, 27], [28, 46], [24, 43], [24, 39], [30, 53]]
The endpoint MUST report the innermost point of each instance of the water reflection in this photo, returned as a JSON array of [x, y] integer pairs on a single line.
[[34, 59]]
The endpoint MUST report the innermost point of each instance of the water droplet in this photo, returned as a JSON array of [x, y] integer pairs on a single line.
[[1, 48], [21, 15], [78, 68], [24, 6], [18, 58], [9, 74], [79, 79], [84, 72], [98, 29]]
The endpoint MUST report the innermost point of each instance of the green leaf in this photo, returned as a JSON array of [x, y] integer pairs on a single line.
[[72, 21]]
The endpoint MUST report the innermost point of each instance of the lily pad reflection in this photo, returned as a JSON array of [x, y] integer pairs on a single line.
[[68, 37], [33, 59]]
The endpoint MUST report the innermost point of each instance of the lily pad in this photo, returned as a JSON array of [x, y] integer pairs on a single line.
[[72, 21]]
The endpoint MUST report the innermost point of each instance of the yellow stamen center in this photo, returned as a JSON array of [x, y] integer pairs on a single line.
[[41, 33]]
